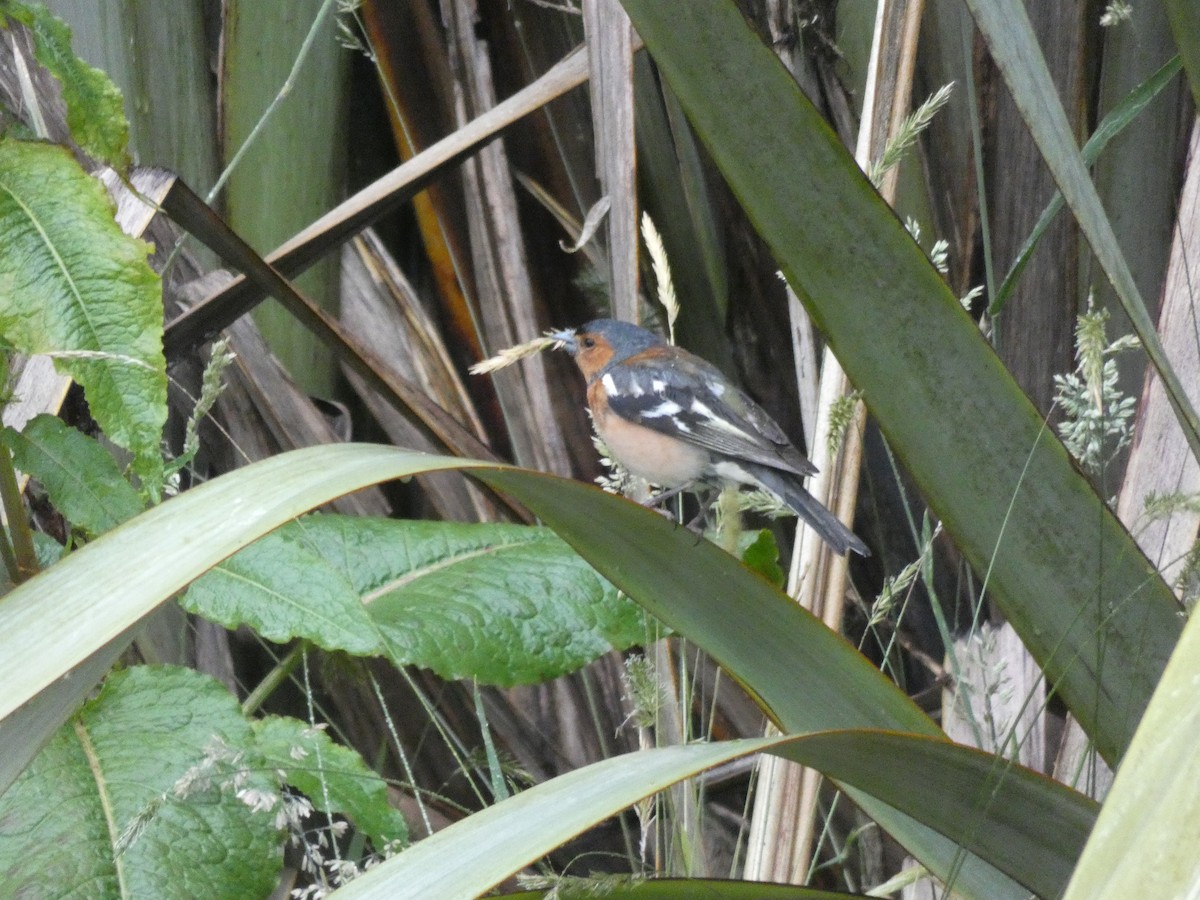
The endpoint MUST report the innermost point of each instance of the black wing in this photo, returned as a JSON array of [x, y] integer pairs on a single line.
[[688, 398]]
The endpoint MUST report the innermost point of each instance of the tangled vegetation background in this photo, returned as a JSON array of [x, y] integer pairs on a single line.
[[252, 250]]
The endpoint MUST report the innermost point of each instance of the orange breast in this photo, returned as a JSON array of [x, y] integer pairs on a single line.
[[649, 454]]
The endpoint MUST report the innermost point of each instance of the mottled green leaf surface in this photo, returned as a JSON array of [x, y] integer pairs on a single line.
[[114, 777], [282, 587], [80, 476], [503, 604], [72, 284], [325, 771]]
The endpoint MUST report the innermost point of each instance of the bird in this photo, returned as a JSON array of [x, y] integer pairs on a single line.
[[674, 419]]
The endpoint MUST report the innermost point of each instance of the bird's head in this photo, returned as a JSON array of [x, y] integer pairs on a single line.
[[598, 344]]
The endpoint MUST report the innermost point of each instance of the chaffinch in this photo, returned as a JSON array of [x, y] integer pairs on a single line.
[[673, 419]]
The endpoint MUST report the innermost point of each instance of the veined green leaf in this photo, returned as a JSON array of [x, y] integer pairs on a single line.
[[73, 285], [80, 476], [129, 796], [333, 777], [282, 588], [503, 604]]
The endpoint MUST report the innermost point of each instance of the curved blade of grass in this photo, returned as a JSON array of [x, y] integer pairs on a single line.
[[1113, 124], [58, 618], [493, 843], [1065, 572], [1009, 35]]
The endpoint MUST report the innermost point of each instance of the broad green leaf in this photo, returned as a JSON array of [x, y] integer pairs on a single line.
[[136, 796], [309, 761], [95, 108], [1084, 599], [71, 284], [1038, 816], [1146, 842], [283, 588], [80, 476], [503, 604], [762, 556]]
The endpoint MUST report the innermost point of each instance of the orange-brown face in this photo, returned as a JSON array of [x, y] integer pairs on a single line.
[[592, 352]]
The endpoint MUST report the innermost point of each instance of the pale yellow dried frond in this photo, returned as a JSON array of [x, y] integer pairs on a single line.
[[513, 354]]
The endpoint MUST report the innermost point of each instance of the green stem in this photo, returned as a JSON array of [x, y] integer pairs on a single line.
[[274, 679], [10, 561], [24, 562]]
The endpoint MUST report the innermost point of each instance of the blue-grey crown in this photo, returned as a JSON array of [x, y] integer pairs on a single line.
[[629, 337]]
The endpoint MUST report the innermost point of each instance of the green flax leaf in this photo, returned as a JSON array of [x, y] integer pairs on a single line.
[[807, 677], [1034, 827]]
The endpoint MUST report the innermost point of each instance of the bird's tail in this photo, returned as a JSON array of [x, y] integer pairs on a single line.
[[828, 526]]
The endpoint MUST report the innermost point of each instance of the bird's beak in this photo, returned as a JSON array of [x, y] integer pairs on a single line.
[[566, 339]]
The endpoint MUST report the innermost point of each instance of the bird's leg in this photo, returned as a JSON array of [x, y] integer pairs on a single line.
[[696, 525], [663, 496]]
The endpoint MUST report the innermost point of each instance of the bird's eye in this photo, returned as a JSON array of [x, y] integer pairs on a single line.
[[588, 342]]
